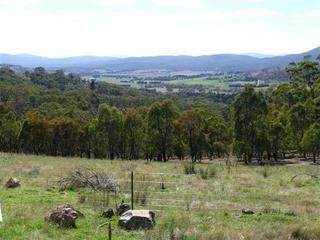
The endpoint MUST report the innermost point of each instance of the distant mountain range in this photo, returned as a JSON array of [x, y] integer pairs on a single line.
[[220, 62], [258, 55]]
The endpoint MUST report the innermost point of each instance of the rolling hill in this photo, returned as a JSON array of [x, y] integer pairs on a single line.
[[220, 62]]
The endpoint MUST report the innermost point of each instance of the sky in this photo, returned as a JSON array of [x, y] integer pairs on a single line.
[[61, 28]]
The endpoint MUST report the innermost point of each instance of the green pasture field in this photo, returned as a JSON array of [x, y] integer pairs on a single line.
[[215, 83]]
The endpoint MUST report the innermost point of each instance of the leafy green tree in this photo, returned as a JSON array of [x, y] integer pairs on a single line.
[[311, 140], [110, 123], [161, 117], [134, 130], [66, 133], [277, 137], [299, 120], [262, 138], [217, 137], [9, 132], [4, 109], [180, 147], [248, 108], [96, 144], [306, 73], [289, 94], [35, 133], [193, 123]]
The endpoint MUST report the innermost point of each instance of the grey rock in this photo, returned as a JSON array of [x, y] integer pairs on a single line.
[[290, 214], [64, 215], [13, 183], [108, 213], [123, 207], [247, 211], [137, 220]]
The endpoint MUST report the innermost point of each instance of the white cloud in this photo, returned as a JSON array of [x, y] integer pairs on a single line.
[[15, 3], [110, 3], [181, 3], [133, 33], [313, 13], [256, 13], [126, 33]]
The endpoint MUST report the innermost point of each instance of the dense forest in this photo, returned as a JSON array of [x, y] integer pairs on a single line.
[[61, 114]]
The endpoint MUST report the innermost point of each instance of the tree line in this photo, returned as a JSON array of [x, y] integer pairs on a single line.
[[158, 133], [63, 115]]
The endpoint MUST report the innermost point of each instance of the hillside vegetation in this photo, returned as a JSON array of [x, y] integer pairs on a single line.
[[209, 146], [63, 115]]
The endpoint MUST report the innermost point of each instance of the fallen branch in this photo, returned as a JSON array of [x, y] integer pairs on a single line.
[[312, 175], [102, 225], [88, 178]]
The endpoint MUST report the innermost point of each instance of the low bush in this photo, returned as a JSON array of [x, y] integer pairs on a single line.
[[189, 168], [208, 172], [204, 172], [304, 233]]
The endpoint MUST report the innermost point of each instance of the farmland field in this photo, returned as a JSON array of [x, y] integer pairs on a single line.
[[204, 205], [218, 83], [215, 83]]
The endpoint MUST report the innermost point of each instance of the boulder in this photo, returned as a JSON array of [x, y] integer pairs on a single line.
[[247, 211], [64, 215], [137, 220], [13, 183], [108, 213], [123, 207]]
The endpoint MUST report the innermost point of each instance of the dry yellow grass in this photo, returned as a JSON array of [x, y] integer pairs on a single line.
[[199, 208]]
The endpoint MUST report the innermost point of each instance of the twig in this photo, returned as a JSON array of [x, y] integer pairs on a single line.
[[102, 225], [312, 175]]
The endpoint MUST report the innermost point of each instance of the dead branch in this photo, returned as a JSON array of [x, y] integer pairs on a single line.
[[88, 178], [312, 175]]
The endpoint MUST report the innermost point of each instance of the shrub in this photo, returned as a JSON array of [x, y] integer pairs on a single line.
[[270, 210], [302, 233], [208, 172], [81, 198], [189, 168], [265, 172], [204, 172], [212, 172]]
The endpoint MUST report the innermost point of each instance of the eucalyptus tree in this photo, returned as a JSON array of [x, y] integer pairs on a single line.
[[248, 109], [161, 117]]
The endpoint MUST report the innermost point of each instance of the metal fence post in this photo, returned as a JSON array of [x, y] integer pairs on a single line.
[[0, 215], [110, 231], [132, 190]]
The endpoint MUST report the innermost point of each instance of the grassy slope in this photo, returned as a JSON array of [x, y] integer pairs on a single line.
[[215, 203]]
